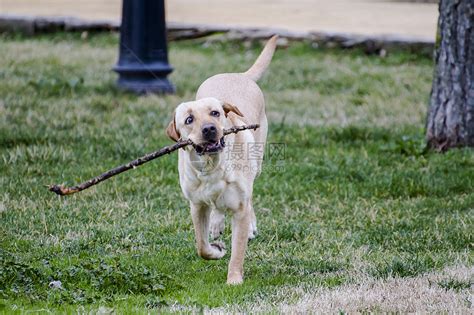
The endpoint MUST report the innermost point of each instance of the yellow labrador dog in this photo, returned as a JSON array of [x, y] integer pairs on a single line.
[[211, 181]]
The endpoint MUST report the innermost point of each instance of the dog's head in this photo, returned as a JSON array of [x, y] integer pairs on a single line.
[[202, 122]]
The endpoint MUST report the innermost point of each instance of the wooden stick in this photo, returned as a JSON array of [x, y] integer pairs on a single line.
[[64, 191]]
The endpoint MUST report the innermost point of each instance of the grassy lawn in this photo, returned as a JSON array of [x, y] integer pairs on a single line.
[[357, 198]]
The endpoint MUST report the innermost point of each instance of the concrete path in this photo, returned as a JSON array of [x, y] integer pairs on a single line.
[[366, 17]]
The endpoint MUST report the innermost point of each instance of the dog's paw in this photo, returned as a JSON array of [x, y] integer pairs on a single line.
[[252, 231], [220, 246], [215, 250], [218, 250], [216, 230], [252, 234], [216, 226], [235, 278]]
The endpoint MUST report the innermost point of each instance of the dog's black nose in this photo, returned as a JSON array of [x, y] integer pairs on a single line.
[[209, 132]]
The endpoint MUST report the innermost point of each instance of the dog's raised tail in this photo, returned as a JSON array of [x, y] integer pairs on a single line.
[[263, 61]]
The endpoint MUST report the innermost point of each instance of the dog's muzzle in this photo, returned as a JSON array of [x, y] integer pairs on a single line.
[[210, 147]]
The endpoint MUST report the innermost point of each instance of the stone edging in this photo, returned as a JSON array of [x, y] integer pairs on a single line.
[[32, 25]]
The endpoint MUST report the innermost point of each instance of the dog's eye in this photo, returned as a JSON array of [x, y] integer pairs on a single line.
[[189, 120], [215, 113]]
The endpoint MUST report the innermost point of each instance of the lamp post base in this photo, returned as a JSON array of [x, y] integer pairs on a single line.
[[151, 86], [145, 79]]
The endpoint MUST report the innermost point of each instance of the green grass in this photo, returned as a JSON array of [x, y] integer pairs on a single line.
[[356, 193]]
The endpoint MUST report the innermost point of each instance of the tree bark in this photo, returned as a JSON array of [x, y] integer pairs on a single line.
[[450, 120]]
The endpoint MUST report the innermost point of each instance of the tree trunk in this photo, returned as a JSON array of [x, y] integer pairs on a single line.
[[450, 120]]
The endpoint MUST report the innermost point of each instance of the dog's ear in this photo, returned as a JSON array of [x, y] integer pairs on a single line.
[[171, 130], [231, 108]]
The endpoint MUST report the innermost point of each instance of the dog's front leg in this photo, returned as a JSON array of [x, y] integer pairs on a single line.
[[240, 232], [200, 214]]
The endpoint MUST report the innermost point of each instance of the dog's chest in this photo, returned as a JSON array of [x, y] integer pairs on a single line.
[[206, 189]]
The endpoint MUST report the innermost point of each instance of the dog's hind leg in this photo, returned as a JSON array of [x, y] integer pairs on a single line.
[[200, 214], [217, 224], [253, 222]]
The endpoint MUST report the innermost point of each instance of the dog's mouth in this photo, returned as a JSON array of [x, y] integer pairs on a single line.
[[210, 147]]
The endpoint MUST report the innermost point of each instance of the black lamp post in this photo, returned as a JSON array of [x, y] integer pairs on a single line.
[[143, 57]]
